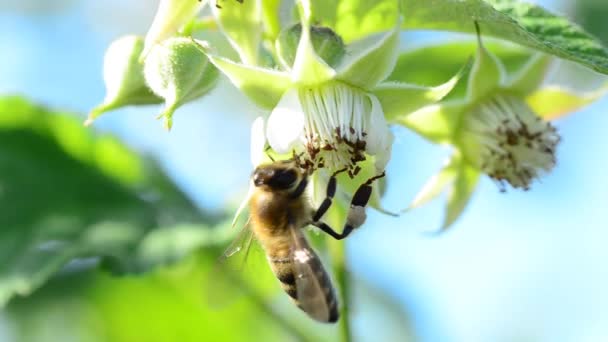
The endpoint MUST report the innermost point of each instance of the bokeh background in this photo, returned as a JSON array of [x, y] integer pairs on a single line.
[[520, 266]]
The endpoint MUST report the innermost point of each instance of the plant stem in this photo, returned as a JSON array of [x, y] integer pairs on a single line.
[[337, 251]]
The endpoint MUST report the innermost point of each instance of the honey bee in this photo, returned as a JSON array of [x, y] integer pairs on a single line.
[[279, 210]]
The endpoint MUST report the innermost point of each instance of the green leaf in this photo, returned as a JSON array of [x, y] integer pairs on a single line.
[[241, 22], [66, 193], [519, 22]]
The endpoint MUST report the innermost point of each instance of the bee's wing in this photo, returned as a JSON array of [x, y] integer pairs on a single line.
[[222, 284], [314, 291], [238, 250]]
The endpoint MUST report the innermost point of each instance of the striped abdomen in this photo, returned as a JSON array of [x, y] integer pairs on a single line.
[[307, 283]]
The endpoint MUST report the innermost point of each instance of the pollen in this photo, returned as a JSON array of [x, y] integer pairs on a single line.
[[514, 145], [335, 129]]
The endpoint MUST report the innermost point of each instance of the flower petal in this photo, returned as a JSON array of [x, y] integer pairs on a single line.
[[437, 184], [370, 60], [531, 75], [308, 67], [263, 86], [383, 157], [486, 75], [317, 190], [460, 193], [436, 123], [379, 137], [286, 123], [258, 141], [553, 102], [170, 16]]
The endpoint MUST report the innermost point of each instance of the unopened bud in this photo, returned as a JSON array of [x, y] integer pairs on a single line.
[[123, 77], [327, 44], [179, 71]]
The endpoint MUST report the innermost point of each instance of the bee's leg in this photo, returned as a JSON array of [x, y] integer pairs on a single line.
[[330, 192], [329, 230], [301, 187], [356, 214]]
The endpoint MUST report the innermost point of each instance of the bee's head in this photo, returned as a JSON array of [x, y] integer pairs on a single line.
[[276, 176]]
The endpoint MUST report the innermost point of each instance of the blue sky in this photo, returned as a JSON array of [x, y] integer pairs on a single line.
[[516, 266]]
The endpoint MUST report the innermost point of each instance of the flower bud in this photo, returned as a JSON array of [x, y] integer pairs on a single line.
[[327, 44], [123, 77], [178, 71]]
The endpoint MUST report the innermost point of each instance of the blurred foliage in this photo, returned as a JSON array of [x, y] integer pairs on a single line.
[[168, 304], [67, 193]]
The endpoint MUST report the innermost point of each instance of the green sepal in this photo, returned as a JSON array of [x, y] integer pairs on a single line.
[[402, 99], [554, 102], [241, 23], [460, 193], [326, 43], [530, 76], [437, 184], [308, 67], [170, 16], [437, 123], [433, 64], [123, 77], [459, 179], [486, 75], [370, 60], [271, 18], [264, 87]]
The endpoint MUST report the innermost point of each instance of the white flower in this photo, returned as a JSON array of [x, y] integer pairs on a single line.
[[330, 105], [515, 145], [500, 128], [330, 126]]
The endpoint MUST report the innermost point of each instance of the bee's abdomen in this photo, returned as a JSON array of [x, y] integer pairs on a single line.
[[284, 271]]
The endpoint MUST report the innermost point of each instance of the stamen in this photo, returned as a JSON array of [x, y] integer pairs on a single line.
[[515, 145], [334, 132]]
